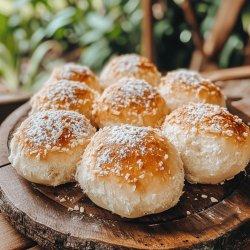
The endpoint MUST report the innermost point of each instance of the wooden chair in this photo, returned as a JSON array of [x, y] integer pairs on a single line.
[[204, 57]]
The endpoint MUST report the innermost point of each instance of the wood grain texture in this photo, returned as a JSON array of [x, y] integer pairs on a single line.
[[35, 248], [239, 92], [222, 26], [191, 19], [242, 72], [147, 43], [36, 211], [10, 238]]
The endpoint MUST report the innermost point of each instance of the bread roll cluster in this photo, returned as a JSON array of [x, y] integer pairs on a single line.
[[116, 137], [130, 65], [131, 171], [65, 95], [181, 86], [214, 144], [75, 72], [48, 145], [130, 101]]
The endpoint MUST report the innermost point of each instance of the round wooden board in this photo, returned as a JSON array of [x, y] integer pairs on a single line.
[[197, 222]]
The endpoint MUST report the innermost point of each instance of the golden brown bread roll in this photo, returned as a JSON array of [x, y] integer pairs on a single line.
[[130, 101], [77, 73], [129, 65], [131, 171], [181, 87], [214, 144], [65, 95], [47, 146]]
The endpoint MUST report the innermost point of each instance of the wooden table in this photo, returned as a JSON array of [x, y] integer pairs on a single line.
[[11, 239]]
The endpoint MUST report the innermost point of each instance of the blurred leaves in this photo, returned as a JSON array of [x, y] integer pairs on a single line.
[[60, 20], [9, 66], [35, 62], [29, 29]]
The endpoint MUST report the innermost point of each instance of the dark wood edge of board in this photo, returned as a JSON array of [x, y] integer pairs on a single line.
[[8, 123]]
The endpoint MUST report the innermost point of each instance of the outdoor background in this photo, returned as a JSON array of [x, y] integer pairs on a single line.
[[36, 35]]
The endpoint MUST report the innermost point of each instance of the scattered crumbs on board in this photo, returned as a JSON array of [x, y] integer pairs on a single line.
[[76, 208], [62, 200], [213, 199]]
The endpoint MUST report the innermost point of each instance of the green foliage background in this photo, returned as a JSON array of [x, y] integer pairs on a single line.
[[36, 35]]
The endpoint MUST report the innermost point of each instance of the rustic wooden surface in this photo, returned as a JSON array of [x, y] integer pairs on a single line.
[[37, 212]]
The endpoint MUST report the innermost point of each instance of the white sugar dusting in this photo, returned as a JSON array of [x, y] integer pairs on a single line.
[[132, 144], [63, 94], [187, 76], [131, 91], [126, 63], [210, 118], [71, 70], [129, 136], [45, 131], [192, 79]]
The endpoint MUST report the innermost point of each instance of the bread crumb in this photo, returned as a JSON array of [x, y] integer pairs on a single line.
[[82, 209], [76, 207], [203, 196], [188, 213], [62, 200], [70, 209], [213, 199]]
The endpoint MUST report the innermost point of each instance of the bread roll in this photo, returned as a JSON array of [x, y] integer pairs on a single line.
[[130, 101], [65, 95], [47, 146], [131, 171], [77, 73], [214, 144], [129, 65], [181, 87]]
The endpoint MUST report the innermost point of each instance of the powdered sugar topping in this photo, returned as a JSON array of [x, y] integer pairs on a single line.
[[126, 63], [210, 118], [123, 149], [130, 92], [64, 94], [187, 76], [191, 79], [70, 70], [52, 130]]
